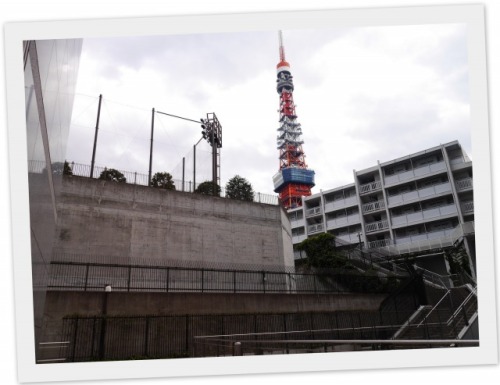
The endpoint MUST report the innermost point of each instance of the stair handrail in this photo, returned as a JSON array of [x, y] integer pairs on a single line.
[[434, 307], [455, 314], [428, 273]]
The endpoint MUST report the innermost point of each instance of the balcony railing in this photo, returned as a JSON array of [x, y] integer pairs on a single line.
[[373, 206], [350, 238], [413, 196], [467, 207], [298, 238], [369, 187], [379, 243], [432, 240], [463, 184], [315, 228], [423, 215], [313, 211], [297, 222], [376, 226], [341, 203], [343, 221], [415, 173]]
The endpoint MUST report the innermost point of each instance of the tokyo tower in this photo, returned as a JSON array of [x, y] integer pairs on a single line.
[[293, 180]]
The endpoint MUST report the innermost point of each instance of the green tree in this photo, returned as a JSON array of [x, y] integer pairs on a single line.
[[321, 252], [239, 188], [60, 168], [163, 180], [113, 175], [207, 188]]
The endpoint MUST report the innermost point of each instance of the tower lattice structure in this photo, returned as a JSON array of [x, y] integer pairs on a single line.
[[293, 180]]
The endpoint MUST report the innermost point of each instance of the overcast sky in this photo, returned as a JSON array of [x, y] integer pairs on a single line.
[[362, 95]]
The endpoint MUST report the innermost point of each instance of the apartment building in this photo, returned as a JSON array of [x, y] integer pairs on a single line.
[[417, 202]]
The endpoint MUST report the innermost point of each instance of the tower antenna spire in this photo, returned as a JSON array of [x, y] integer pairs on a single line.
[[282, 47], [293, 180]]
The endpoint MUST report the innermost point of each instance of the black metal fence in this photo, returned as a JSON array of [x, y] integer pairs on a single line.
[[154, 337], [86, 276]]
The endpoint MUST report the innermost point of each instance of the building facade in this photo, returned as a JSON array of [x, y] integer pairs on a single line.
[[50, 75], [414, 203]]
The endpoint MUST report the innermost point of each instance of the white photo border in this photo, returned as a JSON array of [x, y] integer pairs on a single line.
[[471, 15]]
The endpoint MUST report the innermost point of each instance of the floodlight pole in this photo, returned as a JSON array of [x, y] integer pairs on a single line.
[[92, 162], [151, 147]]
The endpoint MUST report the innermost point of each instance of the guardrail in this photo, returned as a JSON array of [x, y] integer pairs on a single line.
[[142, 278]]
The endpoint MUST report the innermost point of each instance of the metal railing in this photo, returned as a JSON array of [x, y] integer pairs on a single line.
[[468, 207], [369, 187], [83, 276], [463, 184], [315, 228], [373, 206], [140, 179], [313, 211], [97, 338], [380, 243], [375, 226]]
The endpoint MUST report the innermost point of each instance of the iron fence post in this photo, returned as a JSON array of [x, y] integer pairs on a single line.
[[129, 276], [75, 332], [146, 338], [86, 277]]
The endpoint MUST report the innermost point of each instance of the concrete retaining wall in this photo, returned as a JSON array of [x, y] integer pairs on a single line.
[[116, 220], [64, 303]]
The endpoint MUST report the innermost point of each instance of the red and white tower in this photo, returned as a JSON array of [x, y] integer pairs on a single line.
[[293, 180]]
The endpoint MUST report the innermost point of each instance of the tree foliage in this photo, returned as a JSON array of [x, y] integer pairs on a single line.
[[207, 188], [112, 175], [321, 252], [60, 168], [163, 180], [458, 260], [239, 188]]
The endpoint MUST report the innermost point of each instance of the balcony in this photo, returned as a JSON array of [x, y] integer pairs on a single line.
[[460, 165], [442, 211], [432, 240], [298, 238], [343, 221], [341, 203], [370, 187], [313, 212], [376, 226], [373, 206], [351, 238], [467, 207], [379, 243], [415, 173], [463, 184], [313, 229], [297, 223], [413, 196]]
